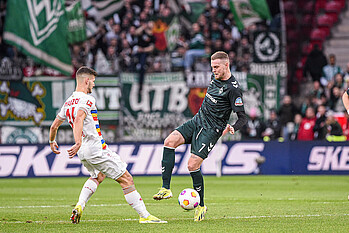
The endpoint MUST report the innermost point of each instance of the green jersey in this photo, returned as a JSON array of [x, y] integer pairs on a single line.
[[221, 99]]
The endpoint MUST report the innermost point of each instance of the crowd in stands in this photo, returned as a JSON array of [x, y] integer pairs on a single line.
[[126, 43], [313, 120]]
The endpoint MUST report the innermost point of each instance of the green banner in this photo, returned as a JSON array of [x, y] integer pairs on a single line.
[[259, 91], [76, 24], [37, 101], [247, 12], [39, 30], [162, 106]]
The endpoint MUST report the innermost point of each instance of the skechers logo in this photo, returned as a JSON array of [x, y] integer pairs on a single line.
[[211, 98]]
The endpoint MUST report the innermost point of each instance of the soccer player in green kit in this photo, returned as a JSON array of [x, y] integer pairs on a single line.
[[205, 128]]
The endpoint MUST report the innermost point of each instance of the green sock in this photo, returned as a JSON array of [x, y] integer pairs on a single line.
[[198, 184], [167, 164]]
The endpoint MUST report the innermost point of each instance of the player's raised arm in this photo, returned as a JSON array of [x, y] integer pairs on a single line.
[[77, 131], [53, 132]]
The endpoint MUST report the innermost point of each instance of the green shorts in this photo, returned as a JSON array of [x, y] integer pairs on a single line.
[[202, 140]]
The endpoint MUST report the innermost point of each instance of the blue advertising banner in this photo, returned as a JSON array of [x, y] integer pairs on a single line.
[[231, 158]]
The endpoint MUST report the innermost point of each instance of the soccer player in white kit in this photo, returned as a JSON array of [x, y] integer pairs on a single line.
[[81, 113]]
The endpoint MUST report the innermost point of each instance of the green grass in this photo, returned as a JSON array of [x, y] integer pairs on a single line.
[[235, 204]]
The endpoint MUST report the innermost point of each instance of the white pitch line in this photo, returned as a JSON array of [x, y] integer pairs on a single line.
[[209, 218], [56, 206], [111, 205]]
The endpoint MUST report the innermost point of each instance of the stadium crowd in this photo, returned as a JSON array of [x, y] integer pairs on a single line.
[[128, 42]]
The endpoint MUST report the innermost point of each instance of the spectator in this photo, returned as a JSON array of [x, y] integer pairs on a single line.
[[146, 45], [286, 114], [329, 71], [338, 81], [320, 129], [196, 47], [294, 127], [316, 60], [334, 129], [317, 90], [335, 102], [215, 32], [273, 127], [114, 33], [254, 127], [346, 73], [125, 56], [244, 47], [203, 64], [306, 129], [112, 65], [309, 102]]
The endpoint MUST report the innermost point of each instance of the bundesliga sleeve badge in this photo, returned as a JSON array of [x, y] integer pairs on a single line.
[[238, 101]]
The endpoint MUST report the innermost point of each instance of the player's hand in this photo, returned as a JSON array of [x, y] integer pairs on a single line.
[[54, 148], [230, 129], [74, 150]]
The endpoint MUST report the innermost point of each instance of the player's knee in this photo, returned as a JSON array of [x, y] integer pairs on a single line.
[[125, 180], [192, 167], [100, 177]]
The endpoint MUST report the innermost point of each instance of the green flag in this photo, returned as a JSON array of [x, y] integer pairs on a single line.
[[76, 24], [103, 8], [39, 30], [247, 12], [172, 34]]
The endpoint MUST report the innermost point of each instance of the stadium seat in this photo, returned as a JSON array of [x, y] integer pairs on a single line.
[[317, 34], [307, 24], [320, 4], [333, 8], [299, 74], [307, 20], [306, 48], [291, 21], [324, 21], [341, 2], [290, 7], [309, 7], [292, 35]]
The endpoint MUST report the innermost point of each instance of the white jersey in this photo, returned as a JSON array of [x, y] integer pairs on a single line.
[[91, 132]]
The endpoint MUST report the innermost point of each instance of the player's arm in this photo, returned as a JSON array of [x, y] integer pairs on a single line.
[[53, 132], [241, 121], [345, 99], [77, 131]]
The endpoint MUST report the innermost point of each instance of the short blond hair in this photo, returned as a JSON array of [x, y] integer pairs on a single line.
[[220, 55]]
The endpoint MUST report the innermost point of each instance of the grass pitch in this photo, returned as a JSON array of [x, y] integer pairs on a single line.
[[235, 204]]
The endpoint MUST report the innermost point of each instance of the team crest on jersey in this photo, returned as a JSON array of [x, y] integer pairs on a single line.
[[221, 90], [238, 101]]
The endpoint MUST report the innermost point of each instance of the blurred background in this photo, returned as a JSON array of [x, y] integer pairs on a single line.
[[153, 61]]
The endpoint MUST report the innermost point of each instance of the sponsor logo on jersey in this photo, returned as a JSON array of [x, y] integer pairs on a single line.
[[238, 101], [211, 98]]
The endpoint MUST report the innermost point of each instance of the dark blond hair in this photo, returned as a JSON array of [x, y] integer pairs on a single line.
[[220, 55], [85, 70]]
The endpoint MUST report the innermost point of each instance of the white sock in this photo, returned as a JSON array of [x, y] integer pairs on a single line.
[[87, 191], [135, 200]]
